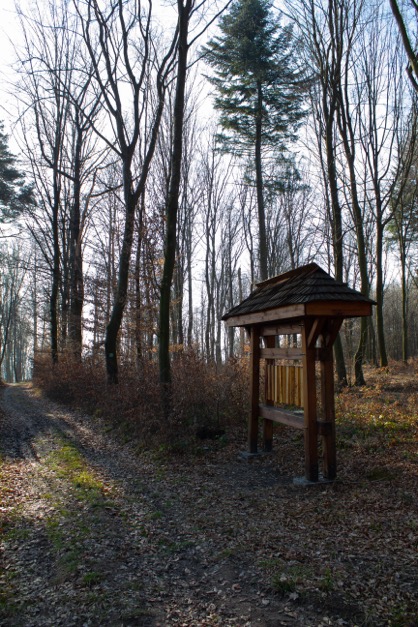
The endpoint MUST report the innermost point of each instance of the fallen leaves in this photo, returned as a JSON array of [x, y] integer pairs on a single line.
[[107, 536]]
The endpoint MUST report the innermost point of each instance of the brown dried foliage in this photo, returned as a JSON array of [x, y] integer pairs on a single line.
[[206, 399]]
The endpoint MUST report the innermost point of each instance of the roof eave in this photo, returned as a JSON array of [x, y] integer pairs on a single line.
[[329, 309]]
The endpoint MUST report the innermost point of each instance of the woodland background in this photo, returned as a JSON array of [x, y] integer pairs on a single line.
[[169, 157]]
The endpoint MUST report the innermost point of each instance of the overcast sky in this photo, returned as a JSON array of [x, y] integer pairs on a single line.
[[9, 34]]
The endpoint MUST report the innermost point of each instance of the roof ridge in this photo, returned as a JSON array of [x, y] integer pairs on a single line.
[[290, 274], [304, 285]]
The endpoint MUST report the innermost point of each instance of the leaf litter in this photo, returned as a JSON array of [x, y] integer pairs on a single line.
[[98, 532]]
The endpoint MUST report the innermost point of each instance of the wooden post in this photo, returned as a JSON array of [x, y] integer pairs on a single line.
[[309, 403], [328, 407], [254, 389], [270, 342]]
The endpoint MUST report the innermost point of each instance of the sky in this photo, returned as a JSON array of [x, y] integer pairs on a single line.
[[9, 34]]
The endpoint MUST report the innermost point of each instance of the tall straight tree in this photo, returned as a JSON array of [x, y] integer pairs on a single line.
[[259, 92], [345, 36], [404, 226], [320, 26], [186, 9]]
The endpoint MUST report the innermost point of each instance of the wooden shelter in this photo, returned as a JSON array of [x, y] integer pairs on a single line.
[[298, 315]]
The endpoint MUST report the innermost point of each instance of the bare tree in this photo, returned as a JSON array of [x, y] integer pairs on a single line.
[[347, 123], [131, 79], [409, 45], [63, 156], [12, 321], [46, 71], [378, 82], [404, 225], [187, 36], [322, 28]]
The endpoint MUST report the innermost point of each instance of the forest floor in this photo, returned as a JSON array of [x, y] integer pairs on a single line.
[[94, 531]]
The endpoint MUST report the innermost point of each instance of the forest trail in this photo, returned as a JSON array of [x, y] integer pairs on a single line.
[[93, 535], [95, 532]]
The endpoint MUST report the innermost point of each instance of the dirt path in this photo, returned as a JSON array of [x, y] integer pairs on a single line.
[[94, 533]]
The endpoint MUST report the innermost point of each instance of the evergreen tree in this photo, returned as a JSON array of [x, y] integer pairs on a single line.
[[259, 90], [14, 194]]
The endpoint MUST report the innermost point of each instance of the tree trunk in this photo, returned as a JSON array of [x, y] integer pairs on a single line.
[[76, 255], [262, 245], [113, 327], [337, 228], [404, 305], [380, 331], [173, 195], [53, 301], [349, 142]]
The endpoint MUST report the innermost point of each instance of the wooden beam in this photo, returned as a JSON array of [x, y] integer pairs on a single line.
[[332, 329], [281, 353], [254, 389], [327, 426], [278, 329], [309, 406], [321, 354], [316, 329], [339, 309], [276, 414], [324, 428], [271, 315], [268, 393]]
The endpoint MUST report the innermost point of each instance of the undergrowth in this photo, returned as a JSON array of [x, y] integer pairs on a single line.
[[206, 400]]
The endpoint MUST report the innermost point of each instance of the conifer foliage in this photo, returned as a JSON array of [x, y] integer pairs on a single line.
[[14, 194], [258, 89], [255, 77]]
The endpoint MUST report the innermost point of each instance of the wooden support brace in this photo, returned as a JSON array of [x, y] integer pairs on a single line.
[[332, 329], [327, 429], [315, 331], [309, 402], [254, 389], [269, 399]]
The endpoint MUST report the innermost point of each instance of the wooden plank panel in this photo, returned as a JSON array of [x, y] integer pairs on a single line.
[[282, 384], [283, 417], [291, 385], [287, 385], [299, 387], [281, 353]]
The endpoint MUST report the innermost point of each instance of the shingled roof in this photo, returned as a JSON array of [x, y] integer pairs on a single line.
[[307, 284]]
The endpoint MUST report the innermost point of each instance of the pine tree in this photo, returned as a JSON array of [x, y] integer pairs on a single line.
[[14, 194], [259, 90]]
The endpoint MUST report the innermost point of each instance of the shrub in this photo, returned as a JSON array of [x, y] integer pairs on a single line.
[[206, 398]]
